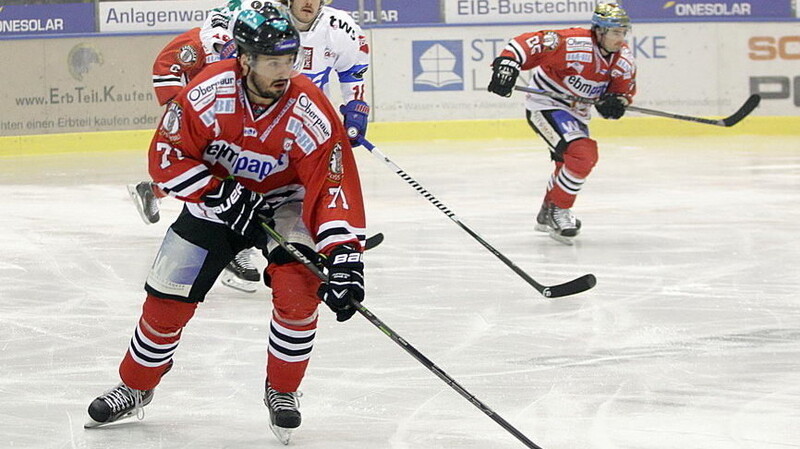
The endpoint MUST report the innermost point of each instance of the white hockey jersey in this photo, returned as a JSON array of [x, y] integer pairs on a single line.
[[335, 43]]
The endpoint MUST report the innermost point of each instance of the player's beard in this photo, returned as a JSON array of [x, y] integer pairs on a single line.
[[270, 94]]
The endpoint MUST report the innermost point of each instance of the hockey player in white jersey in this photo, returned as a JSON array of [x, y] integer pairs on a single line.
[[333, 42]]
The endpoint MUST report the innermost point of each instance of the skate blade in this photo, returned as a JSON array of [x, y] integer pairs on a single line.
[[230, 280], [282, 434], [92, 424], [541, 228], [138, 203], [569, 241]]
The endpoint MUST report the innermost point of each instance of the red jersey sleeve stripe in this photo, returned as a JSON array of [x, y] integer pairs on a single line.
[[188, 183]]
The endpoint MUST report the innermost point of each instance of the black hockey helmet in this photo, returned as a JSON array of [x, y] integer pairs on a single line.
[[265, 32]]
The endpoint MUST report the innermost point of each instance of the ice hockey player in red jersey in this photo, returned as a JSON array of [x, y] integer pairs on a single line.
[[325, 48], [591, 63], [176, 64], [249, 137]]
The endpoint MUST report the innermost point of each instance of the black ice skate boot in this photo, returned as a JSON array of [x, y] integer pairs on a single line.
[[241, 274], [145, 201], [541, 219], [116, 404], [559, 223], [284, 415]]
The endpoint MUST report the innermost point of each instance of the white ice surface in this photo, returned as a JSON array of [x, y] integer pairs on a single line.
[[691, 338]]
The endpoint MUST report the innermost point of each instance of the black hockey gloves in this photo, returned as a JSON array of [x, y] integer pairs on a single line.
[[345, 281], [356, 117], [238, 208], [504, 76], [611, 106]]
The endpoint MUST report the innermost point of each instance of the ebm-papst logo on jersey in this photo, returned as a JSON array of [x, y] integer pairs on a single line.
[[585, 88], [244, 163], [438, 65]]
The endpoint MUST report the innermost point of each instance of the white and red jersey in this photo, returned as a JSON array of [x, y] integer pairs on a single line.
[[295, 150], [335, 43], [569, 62]]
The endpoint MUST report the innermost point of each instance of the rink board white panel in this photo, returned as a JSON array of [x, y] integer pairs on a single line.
[[700, 69]]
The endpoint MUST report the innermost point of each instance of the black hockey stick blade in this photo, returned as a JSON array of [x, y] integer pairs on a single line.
[[744, 111], [373, 241], [572, 287]]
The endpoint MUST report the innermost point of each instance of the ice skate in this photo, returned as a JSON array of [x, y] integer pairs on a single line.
[[559, 223], [145, 201], [117, 404], [241, 274], [284, 415]]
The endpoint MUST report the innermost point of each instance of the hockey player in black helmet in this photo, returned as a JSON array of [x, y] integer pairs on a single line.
[[267, 45], [279, 149]]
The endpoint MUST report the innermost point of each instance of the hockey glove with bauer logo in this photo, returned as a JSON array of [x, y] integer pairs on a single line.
[[239, 209], [611, 106], [356, 117], [345, 271], [504, 76]]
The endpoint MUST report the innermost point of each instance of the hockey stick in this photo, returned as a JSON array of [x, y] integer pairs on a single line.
[[300, 257], [373, 241], [733, 119], [572, 287]]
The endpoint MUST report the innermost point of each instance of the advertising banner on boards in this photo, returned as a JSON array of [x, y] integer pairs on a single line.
[[393, 12], [80, 85], [543, 11], [517, 11], [35, 20], [706, 10], [441, 73], [147, 16]]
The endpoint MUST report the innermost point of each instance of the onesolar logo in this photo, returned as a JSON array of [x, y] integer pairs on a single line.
[[684, 8]]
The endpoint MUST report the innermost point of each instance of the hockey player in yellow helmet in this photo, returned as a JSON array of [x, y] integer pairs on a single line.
[[595, 64], [610, 24]]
